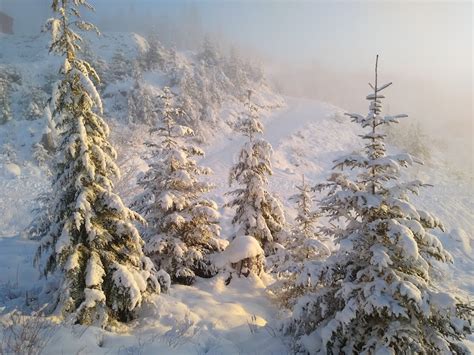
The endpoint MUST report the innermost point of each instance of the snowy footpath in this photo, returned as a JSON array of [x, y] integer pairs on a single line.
[[210, 317]]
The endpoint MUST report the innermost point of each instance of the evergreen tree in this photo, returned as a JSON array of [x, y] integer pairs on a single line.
[[35, 103], [258, 212], [303, 245], [141, 101], [235, 72], [375, 294], [155, 56], [119, 67], [88, 239], [5, 105], [304, 242], [183, 226], [209, 53]]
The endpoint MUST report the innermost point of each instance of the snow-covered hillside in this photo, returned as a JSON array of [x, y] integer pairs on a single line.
[[209, 317]]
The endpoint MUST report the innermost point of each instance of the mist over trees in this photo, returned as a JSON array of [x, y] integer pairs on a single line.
[[306, 229]]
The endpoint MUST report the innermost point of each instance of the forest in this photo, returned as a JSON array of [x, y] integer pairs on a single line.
[[156, 199]]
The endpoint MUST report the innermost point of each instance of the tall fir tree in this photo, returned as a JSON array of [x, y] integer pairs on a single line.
[[258, 212], [375, 294], [183, 225], [88, 238]]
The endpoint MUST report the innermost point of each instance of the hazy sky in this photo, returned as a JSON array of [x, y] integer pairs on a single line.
[[326, 49], [426, 38]]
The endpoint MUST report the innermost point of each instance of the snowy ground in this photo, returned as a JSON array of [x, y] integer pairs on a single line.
[[211, 318]]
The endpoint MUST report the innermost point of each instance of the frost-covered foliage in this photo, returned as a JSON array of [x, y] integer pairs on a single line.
[[204, 81], [302, 246], [375, 294], [41, 155], [235, 71], [34, 102], [141, 103], [5, 101], [119, 67], [156, 57], [88, 238], [50, 138], [183, 226], [258, 212]]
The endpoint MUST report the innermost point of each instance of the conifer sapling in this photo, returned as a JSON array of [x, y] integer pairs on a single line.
[[183, 225]]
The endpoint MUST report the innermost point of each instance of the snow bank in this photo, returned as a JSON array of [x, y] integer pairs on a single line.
[[242, 247], [460, 235], [11, 171]]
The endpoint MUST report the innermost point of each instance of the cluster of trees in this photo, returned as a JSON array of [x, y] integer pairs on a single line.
[[203, 83], [372, 295], [89, 239]]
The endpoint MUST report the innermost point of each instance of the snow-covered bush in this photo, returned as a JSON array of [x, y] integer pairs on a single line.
[[375, 294], [258, 212], [25, 334], [243, 256], [88, 238], [183, 226]]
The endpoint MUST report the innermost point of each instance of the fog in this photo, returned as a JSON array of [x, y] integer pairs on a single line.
[[324, 50]]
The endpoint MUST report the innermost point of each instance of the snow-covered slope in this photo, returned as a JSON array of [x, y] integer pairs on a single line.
[[208, 317], [211, 317]]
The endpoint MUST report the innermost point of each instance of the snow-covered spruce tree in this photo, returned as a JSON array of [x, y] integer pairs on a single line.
[[155, 56], [258, 212], [141, 101], [234, 69], [303, 245], [119, 67], [88, 239], [209, 54], [34, 102], [183, 226], [5, 101], [375, 294]]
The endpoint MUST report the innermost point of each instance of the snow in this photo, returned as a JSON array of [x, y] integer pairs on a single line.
[[209, 317], [242, 247], [12, 171], [465, 241]]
